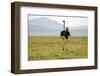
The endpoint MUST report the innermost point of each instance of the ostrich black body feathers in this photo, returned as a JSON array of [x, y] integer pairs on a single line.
[[65, 34]]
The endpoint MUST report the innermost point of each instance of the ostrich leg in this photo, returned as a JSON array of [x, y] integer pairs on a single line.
[[64, 41], [63, 45]]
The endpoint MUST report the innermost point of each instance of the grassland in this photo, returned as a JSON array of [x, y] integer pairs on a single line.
[[51, 47]]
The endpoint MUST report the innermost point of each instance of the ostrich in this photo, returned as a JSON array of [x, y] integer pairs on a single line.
[[64, 34]]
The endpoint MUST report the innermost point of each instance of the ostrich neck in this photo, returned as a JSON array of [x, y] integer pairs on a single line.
[[64, 27]]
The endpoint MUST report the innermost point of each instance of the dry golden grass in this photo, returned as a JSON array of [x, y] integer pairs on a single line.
[[51, 47]]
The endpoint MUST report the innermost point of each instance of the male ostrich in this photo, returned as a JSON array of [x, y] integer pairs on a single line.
[[64, 34]]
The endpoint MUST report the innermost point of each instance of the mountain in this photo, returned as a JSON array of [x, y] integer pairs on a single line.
[[45, 26]]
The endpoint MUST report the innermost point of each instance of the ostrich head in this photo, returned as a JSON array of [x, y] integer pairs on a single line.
[[64, 21]]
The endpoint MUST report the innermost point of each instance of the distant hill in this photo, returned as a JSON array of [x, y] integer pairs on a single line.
[[45, 26]]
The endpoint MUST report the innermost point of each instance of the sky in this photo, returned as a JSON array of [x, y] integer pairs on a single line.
[[70, 21], [78, 25]]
